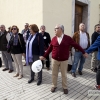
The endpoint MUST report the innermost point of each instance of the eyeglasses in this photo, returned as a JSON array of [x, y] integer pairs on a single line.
[[14, 28], [56, 28]]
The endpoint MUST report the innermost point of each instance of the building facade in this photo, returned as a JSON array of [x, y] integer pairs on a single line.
[[51, 12]]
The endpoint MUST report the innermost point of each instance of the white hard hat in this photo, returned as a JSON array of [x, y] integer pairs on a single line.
[[37, 66]]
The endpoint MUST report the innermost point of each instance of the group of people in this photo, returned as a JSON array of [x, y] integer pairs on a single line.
[[28, 43], [34, 45]]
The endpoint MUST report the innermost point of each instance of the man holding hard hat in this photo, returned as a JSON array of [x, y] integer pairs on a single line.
[[59, 47]]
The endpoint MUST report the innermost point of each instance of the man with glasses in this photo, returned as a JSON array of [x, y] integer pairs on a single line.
[[94, 61], [59, 47], [4, 39], [26, 34]]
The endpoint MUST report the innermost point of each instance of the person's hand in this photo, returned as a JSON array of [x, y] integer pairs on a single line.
[[85, 55], [41, 58]]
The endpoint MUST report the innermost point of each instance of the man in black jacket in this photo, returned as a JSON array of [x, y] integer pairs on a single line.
[[94, 61], [4, 39], [47, 40], [25, 32]]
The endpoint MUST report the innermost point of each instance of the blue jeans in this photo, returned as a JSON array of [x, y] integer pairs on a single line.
[[78, 57]]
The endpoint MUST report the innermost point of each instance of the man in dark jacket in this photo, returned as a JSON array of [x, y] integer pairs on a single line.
[[94, 61], [47, 40], [25, 32], [4, 39], [0, 58]]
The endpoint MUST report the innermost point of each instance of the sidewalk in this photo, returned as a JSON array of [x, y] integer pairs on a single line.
[[13, 89]]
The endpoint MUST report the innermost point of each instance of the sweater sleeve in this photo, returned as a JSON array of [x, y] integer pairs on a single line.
[[94, 46]]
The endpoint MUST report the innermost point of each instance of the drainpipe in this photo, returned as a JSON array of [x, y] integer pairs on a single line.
[[99, 13]]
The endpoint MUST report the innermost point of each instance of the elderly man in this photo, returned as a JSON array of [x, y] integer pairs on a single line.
[[94, 60], [4, 39], [26, 34], [47, 40], [59, 47], [82, 38]]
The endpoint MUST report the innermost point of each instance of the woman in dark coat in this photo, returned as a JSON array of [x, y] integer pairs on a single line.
[[34, 50]]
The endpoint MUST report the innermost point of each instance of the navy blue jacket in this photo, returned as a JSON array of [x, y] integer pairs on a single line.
[[38, 45]]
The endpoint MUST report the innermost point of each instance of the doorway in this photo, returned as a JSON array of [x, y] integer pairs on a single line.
[[78, 16]]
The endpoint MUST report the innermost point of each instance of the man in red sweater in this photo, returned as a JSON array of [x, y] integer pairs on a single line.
[[59, 47]]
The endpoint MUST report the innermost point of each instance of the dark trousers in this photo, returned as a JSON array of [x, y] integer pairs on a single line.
[[98, 75], [35, 57], [47, 62]]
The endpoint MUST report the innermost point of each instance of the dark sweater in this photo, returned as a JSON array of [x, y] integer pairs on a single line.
[[20, 47], [47, 40], [61, 52], [3, 42], [94, 37]]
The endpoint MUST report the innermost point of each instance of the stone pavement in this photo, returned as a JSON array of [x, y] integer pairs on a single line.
[[13, 89]]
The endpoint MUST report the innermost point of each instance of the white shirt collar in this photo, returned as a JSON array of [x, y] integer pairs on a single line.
[[59, 39]]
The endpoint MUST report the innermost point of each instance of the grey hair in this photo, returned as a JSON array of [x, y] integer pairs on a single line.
[[2, 25], [62, 28], [96, 26], [42, 26]]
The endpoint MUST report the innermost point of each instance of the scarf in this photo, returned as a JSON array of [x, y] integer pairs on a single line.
[[29, 56], [15, 42]]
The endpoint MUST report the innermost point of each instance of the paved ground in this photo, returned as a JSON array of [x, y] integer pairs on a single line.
[[13, 89]]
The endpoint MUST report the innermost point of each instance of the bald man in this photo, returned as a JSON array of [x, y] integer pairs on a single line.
[[4, 39], [82, 38], [59, 47]]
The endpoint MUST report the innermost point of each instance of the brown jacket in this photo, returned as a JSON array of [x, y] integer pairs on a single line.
[[76, 38]]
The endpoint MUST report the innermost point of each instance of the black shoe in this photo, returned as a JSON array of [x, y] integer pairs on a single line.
[[31, 80], [10, 71], [48, 68], [73, 74], [80, 72], [5, 69], [94, 70], [39, 82]]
